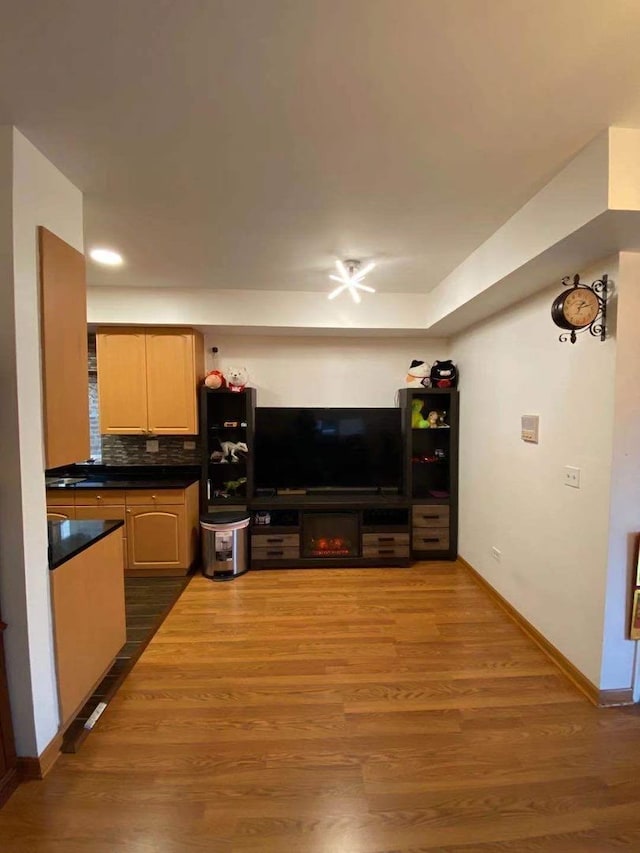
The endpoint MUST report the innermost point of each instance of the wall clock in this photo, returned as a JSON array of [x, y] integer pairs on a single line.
[[581, 307]]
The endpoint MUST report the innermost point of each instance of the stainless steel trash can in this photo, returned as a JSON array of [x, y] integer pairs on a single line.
[[224, 545]]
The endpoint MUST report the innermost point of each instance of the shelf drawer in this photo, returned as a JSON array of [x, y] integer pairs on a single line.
[[384, 540], [149, 497], [98, 497], [433, 540], [275, 552], [431, 516], [386, 550], [275, 540]]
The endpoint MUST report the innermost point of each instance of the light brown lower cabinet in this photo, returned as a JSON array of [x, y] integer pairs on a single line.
[[161, 525], [87, 594], [157, 537], [105, 513], [60, 513]]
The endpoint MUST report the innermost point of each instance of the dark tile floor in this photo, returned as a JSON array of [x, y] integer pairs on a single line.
[[148, 602]]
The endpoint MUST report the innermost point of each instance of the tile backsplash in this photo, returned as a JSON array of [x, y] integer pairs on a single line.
[[132, 449]]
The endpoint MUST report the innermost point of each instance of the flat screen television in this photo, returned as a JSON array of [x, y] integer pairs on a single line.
[[299, 448]]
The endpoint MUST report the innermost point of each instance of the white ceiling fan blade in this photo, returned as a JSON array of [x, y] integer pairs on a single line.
[[341, 280], [343, 271], [338, 290], [354, 293], [364, 287]]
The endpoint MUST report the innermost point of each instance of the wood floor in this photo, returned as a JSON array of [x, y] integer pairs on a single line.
[[362, 711]]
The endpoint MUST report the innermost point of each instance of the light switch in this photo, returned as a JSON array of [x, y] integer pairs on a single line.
[[153, 445]]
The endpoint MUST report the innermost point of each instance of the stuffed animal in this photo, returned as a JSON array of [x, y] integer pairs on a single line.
[[418, 375], [237, 378], [417, 421], [433, 420], [444, 374], [214, 380]]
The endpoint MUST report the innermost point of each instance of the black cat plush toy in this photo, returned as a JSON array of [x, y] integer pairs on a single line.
[[443, 374]]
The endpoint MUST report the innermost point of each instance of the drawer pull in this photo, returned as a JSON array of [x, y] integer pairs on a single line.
[[430, 539], [382, 551], [279, 553], [276, 540], [98, 497], [385, 538]]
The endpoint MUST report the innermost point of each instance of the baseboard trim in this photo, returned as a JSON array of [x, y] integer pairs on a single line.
[[600, 698], [613, 698], [32, 767]]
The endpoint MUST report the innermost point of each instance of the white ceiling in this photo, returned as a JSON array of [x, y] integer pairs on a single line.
[[248, 143]]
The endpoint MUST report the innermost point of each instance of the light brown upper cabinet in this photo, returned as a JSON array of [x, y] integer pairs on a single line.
[[148, 380], [63, 326]]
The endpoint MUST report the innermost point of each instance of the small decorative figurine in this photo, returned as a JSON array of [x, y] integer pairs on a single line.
[[433, 420], [417, 421], [215, 380]]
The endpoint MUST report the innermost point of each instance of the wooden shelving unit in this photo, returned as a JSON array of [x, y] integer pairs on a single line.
[[431, 472]]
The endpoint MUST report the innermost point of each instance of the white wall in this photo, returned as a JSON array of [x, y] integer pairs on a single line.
[[624, 517], [554, 539], [41, 195], [256, 309], [322, 371]]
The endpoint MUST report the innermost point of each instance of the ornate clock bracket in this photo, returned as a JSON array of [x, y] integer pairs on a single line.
[[598, 327]]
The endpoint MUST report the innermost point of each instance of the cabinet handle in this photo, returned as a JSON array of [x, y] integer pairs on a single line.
[[382, 551], [275, 553], [277, 540], [154, 497], [98, 497], [129, 511], [385, 538]]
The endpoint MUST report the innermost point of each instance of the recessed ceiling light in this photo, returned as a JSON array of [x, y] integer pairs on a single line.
[[106, 256]]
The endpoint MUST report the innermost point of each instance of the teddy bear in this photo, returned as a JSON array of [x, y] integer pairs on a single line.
[[418, 375], [237, 378]]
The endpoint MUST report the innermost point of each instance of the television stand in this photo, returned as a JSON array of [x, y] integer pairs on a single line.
[[330, 531], [341, 490]]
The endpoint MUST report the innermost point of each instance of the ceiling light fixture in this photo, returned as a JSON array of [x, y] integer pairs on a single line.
[[106, 256], [350, 278]]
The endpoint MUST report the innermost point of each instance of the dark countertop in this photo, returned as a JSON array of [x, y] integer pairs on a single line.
[[69, 538], [123, 477]]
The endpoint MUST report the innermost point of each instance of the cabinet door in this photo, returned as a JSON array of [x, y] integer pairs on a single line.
[[172, 381], [106, 513], [60, 513], [157, 537], [63, 327], [122, 381]]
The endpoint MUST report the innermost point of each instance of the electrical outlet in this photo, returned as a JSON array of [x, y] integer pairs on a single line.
[[189, 445], [571, 477], [496, 553], [153, 445]]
